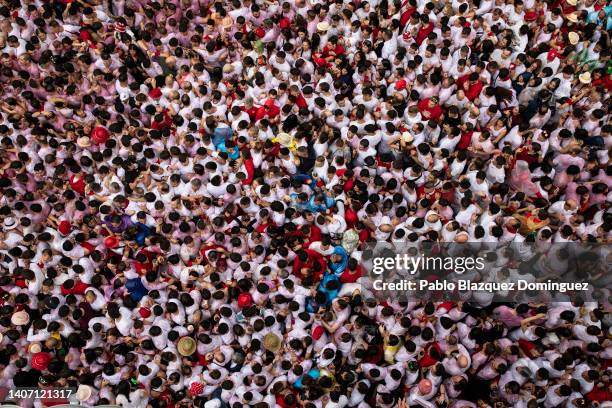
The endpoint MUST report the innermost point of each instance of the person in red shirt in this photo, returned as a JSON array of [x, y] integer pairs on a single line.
[[408, 7], [250, 108], [77, 183], [268, 109], [309, 263], [466, 138], [430, 109], [426, 28], [352, 272], [473, 86], [300, 101], [161, 121], [72, 287]]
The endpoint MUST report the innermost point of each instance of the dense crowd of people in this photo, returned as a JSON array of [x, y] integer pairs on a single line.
[[187, 188]]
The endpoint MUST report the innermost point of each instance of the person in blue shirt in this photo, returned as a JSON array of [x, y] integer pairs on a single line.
[[222, 133], [136, 289], [230, 148], [338, 261], [318, 202], [314, 373], [142, 229], [330, 287], [602, 17]]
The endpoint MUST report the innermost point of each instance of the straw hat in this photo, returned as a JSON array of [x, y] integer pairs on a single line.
[[227, 22], [186, 346], [83, 141], [573, 38], [571, 2], [272, 342], [9, 223], [34, 348], [407, 137], [285, 139], [83, 393], [585, 77], [573, 17], [20, 318], [323, 26]]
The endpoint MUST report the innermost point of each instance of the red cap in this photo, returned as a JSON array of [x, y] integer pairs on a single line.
[[99, 135], [84, 35], [111, 242], [196, 388], [284, 23], [400, 84], [260, 32], [155, 93], [531, 16], [64, 227], [424, 386], [144, 312], [40, 361], [120, 27], [320, 61], [245, 300]]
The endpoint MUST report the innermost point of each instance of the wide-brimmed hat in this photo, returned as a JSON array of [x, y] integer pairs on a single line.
[[9, 223], [573, 37], [272, 342], [35, 347], [83, 393], [41, 360], [186, 346], [227, 22], [99, 135], [20, 318], [284, 139], [407, 137], [323, 26], [83, 141], [111, 242], [573, 17], [585, 77]]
